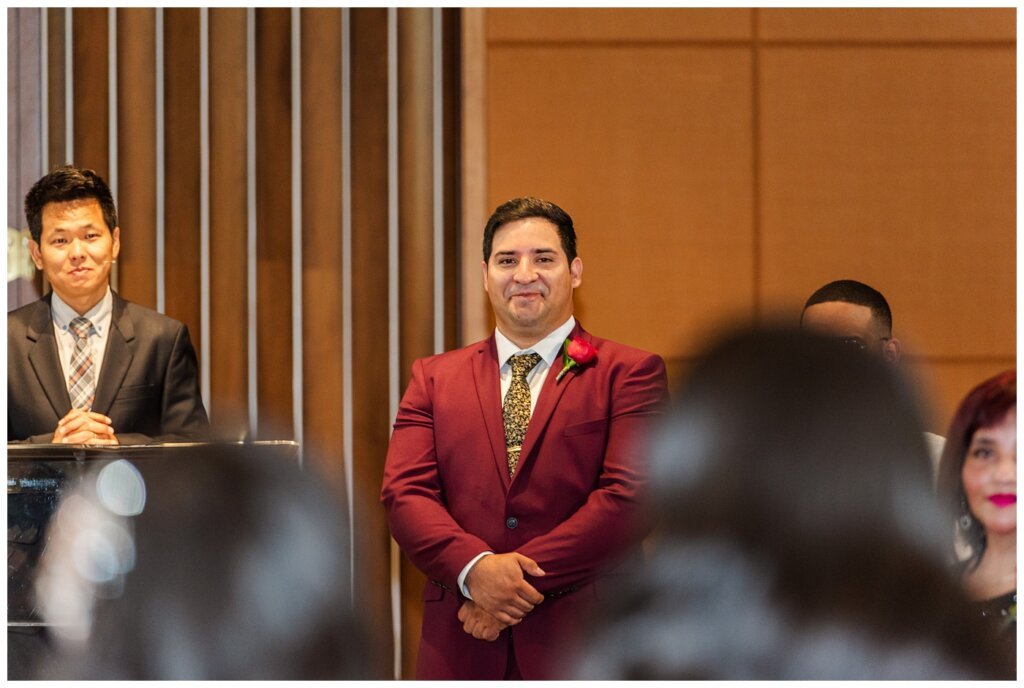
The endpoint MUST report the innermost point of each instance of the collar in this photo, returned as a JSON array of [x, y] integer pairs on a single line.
[[99, 314], [549, 348]]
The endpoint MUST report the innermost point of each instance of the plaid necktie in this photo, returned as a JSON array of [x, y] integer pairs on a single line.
[[81, 384], [516, 408]]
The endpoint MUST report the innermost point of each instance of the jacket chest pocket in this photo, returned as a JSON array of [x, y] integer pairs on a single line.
[[586, 427], [135, 392]]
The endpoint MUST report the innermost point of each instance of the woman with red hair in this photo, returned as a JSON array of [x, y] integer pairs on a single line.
[[978, 478]]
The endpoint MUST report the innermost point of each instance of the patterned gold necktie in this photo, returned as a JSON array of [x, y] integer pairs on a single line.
[[81, 385], [516, 408]]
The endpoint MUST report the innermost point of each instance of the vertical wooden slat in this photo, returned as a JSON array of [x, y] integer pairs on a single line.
[[91, 83], [451, 52], [273, 213], [371, 414], [416, 237], [136, 202], [475, 211], [322, 240], [57, 113], [228, 263], [181, 180]]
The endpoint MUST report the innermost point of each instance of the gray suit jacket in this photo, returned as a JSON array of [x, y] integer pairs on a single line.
[[148, 386]]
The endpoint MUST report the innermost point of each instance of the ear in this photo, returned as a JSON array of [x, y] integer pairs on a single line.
[[37, 255], [891, 350], [483, 270], [576, 271], [116, 248]]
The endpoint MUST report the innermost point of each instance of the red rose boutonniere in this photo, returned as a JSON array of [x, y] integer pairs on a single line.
[[575, 353]]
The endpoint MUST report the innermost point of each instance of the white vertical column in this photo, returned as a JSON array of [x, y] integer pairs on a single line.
[[204, 204], [347, 420], [69, 86], [438, 140], [112, 148], [297, 386], [250, 165], [393, 326], [44, 90], [161, 165]]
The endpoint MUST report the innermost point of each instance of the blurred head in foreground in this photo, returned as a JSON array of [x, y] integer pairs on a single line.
[[798, 535], [226, 564]]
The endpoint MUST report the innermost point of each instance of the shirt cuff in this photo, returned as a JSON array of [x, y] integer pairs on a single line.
[[465, 572]]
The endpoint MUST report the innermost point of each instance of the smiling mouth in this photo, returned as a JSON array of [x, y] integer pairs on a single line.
[[1003, 500]]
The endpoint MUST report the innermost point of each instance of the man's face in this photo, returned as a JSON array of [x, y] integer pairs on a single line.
[[842, 320], [529, 280], [75, 251]]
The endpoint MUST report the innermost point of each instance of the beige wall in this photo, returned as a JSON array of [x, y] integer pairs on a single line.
[[722, 164]]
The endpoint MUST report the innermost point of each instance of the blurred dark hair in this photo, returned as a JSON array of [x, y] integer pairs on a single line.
[[985, 405], [857, 293], [67, 183], [798, 534], [238, 567], [522, 208]]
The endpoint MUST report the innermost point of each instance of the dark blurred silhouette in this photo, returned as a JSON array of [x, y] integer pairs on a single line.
[[978, 481], [228, 565], [798, 533]]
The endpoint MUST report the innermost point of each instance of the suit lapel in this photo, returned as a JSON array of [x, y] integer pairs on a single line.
[[550, 394], [117, 358], [488, 390], [45, 360]]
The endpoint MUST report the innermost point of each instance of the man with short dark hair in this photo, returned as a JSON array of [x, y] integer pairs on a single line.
[[84, 366], [859, 315], [854, 312], [513, 475]]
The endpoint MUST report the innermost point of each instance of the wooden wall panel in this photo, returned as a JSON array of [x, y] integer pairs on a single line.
[[274, 221], [322, 288], [370, 370], [617, 25], [876, 144], [229, 218], [650, 152], [181, 173], [889, 24], [942, 384], [91, 71], [858, 183], [136, 163]]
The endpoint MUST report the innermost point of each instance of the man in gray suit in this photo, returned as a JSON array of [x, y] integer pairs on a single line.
[[84, 366]]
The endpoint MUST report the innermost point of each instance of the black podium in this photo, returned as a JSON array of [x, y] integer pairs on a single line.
[[38, 476]]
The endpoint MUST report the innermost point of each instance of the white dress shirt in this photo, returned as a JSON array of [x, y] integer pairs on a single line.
[[550, 351], [99, 315]]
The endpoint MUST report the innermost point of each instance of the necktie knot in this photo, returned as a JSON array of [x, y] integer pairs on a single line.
[[523, 364], [80, 327]]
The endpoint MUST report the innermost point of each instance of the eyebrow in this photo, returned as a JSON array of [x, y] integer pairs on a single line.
[[536, 250]]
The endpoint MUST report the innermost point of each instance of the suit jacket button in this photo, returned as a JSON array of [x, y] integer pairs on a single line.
[[511, 522]]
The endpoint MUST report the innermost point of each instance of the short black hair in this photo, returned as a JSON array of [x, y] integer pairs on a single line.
[[522, 208], [857, 293], [67, 183]]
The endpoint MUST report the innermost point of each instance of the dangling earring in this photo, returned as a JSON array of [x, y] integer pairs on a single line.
[[965, 519]]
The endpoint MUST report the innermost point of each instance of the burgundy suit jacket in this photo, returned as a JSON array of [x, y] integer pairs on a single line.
[[572, 505]]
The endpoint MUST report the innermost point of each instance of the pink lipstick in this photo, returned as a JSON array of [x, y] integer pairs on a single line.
[[1001, 500]]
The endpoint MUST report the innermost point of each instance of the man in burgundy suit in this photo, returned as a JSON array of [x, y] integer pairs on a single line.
[[512, 480]]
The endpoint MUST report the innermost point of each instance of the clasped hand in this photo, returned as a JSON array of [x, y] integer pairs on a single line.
[[498, 587], [81, 426]]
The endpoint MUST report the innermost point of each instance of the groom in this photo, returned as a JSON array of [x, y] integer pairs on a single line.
[[514, 473]]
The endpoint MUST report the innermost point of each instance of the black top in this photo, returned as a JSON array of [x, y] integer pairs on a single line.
[[1001, 612]]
